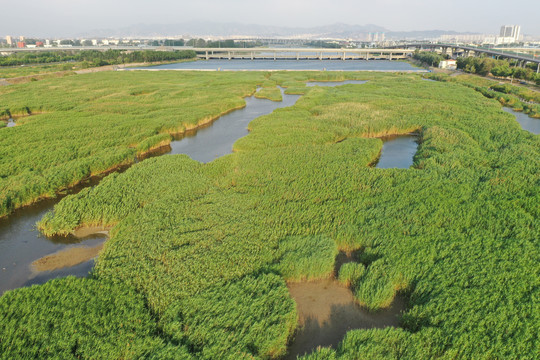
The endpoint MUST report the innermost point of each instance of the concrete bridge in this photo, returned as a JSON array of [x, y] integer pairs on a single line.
[[249, 53], [301, 54]]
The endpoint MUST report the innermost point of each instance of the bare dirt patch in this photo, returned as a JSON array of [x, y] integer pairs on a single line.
[[66, 258]]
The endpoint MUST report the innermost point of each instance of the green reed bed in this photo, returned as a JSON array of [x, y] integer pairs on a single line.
[[210, 246]]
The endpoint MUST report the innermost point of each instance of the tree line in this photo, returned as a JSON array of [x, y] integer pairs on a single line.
[[483, 66], [428, 57], [499, 68], [95, 57]]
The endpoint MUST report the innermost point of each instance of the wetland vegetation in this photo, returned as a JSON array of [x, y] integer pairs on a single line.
[[200, 256], [94, 57], [517, 97]]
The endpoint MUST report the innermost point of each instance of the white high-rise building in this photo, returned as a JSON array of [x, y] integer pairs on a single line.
[[509, 34]]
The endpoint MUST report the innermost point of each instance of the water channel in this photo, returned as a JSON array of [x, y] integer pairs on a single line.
[[327, 309], [217, 139], [527, 123], [21, 244]]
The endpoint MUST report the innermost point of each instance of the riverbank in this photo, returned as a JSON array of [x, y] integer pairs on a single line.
[[12, 80]]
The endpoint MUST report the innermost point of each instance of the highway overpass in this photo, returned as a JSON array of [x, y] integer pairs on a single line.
[[463, 50]]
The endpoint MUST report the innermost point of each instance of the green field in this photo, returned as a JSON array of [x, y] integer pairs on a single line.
[[18, 71], [197, 262], [517, 97]]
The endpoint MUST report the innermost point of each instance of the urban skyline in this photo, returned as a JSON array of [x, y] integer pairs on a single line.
[[59, 18], [508, 34]]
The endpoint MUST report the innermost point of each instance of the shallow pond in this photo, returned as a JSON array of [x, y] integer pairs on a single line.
[[328, 309], [398, 151], [527, 123]]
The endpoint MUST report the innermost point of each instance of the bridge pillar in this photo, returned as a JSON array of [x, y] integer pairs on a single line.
[[390, 56], [274, 56], [343, 56], [367, 56], [207, 55], [229, 55], [297, 56], [320, 55], [252, 55]]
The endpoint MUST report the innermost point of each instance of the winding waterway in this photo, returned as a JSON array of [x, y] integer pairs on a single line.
[[527, 123], [21, 244], [327, 309], [217, 139]]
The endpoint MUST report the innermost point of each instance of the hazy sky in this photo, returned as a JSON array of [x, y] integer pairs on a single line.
[[62, 17]]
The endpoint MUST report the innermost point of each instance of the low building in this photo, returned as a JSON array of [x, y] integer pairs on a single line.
[[448, 64]]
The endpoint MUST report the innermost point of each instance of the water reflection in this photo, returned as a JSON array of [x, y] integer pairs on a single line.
[[527, 123], [21, 243], [327, 310], [215, 140], [398, 152]]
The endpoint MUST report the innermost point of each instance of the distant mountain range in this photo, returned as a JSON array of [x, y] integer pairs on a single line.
[[205, 29]]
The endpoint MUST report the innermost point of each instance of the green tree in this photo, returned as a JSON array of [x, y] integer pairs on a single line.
[[501, 71]]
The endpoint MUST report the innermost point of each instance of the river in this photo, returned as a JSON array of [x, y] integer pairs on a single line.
[[261, 65]]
